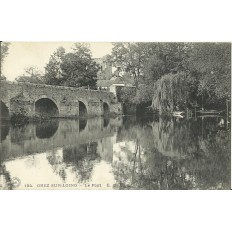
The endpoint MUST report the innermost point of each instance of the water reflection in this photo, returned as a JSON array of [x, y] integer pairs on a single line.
[[4, 130], [106, 121], [172, 154], [119, 153], [82, 159], [47, 129], [82, 123]]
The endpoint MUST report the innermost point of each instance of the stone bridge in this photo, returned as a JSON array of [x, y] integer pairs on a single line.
[[55, 101]]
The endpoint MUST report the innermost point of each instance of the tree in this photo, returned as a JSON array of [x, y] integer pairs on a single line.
[[212, 62], [2, 78], [167, 58], [148, 62], [4, 47], [32, 75], [53, 72], [131, 60], [130, 57], [4, 50], [202, 71], [78, 68], [171, 92]]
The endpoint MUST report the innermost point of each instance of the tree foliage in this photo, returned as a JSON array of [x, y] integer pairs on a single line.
[[76, 68], [212, 61], [4, 47], [32, 75], [171, 92], [200, 71], [53, 72], [148, 62], [4, 50], [2, 78]]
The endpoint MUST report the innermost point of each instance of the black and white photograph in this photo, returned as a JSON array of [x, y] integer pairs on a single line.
[[115, 115], [102, 96]]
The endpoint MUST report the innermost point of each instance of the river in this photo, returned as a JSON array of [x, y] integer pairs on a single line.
[[117, 153]]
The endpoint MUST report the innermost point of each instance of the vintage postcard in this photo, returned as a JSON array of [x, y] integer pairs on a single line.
[[149, 116]]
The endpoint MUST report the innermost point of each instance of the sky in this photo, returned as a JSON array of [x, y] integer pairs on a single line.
[[24, 54]]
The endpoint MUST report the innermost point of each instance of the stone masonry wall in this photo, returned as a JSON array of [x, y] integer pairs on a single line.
[[18, 96]]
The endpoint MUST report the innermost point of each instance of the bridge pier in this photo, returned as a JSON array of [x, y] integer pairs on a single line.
[[20, 104]]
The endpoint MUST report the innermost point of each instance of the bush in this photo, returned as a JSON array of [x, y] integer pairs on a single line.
[[19, 118]]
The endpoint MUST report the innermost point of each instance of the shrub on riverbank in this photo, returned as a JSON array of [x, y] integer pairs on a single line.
[[21, 118]]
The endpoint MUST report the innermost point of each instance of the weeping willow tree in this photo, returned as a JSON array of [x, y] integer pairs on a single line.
[[171, 92]]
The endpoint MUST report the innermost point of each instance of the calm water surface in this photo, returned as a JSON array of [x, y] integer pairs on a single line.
[[119, 153]]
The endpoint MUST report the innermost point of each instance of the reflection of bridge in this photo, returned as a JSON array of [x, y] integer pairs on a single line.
[[38, 138], [55, 100]]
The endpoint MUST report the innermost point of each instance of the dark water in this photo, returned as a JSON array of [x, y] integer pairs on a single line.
[[119, 153]]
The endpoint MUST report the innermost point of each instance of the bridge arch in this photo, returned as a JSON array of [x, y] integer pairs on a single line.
[[106, 109], [46, 107], [82, 110], [4, 111]]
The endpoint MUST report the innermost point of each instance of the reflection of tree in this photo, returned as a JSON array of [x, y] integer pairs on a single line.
[[213, 168], [22, 133], [136, 162], [56, 161], [132, 172], [174, 155], [82, 159], [157, 172], [4, 131], [5, 176], [31, 161]]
